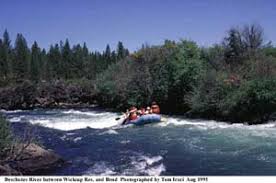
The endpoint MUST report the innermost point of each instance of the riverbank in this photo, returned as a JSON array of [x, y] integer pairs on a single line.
[[74, 95], [56, 94], [33, 160]]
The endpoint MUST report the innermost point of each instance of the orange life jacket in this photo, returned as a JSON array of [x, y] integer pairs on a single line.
[[133, 116]]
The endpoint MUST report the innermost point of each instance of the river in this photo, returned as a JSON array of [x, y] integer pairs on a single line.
[[94, 144]]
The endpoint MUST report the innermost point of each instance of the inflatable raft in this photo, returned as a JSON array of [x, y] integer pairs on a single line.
[[145, 119]]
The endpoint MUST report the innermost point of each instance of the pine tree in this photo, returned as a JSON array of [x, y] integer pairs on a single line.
[[66, 60], [87, 62], [5, 55], [35, 65], [77, 65], [54, 62], [45, 71], [113, 56], [107, 52], [21, 58], [2, 61], [121, 51]]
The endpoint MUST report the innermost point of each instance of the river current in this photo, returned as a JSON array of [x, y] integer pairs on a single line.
[[94, 143]]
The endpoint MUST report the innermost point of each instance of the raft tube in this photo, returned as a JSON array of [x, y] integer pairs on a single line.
[[146, 119]]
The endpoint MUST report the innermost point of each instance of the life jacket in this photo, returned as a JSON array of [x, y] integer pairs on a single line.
[[133, 116], [142, 111], [155, 109]]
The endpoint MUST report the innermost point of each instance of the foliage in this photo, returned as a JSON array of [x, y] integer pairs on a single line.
[[254, 101], [233, 80], [165, 73], [5, 136], [62, 61]]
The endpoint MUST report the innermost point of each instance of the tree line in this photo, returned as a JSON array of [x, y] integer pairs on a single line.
[[61, 61]]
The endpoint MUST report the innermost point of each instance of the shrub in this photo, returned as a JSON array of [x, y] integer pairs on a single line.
[[253, 102], [5, 136]]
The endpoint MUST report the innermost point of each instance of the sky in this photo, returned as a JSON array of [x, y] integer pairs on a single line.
[[134, 22]]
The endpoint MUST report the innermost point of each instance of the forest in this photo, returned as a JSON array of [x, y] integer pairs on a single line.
[[234, 80]]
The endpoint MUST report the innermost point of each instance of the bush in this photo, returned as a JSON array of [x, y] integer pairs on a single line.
[[253, 102], [207, 98], [164, 74], [5, 136]]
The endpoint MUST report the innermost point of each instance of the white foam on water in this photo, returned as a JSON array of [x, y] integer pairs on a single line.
[[100, 169], [263, 157], [151, 160], [64, 137], [125, 142], [157, 170], [110, 131], [77, 139], [68, 122], [211, 124], [16, 119], [145, 165], [88, 113], [10, 112], [70, 134]]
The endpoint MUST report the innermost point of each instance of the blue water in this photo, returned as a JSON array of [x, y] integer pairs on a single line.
[[93, 143]]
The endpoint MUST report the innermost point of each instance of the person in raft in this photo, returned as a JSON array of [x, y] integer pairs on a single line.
[[131, 114], [148, 110], [155, 109], [141, 111]]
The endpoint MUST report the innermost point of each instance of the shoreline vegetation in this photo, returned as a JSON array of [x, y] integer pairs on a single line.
[[233, 81]]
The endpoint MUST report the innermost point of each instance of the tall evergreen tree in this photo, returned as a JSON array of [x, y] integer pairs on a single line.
[[2, 61], [234, 47], [5, 55], [106, 57], [77, 63], [107, 52], [54, 62], [45, 70], [120, 50], [88, 64], [21, 58], [35, 65], [66, 60]]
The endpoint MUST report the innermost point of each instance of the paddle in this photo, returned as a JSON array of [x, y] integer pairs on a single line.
[[122, 116], [118, 118]]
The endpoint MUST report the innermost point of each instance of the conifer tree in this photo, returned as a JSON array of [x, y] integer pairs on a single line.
[[121, 51], [107, 52], [54, 62], [21, 58], [35, 65], [5, 55], [66, 59], [45, 70]]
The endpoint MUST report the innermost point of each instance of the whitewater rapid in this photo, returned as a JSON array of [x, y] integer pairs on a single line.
[[67, 120], [97, 144]]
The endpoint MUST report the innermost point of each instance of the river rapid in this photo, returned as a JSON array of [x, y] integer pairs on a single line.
[[94, 143]]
